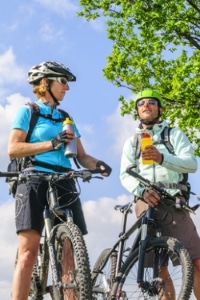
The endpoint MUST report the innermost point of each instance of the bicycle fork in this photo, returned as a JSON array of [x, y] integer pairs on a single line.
[[48, 227], [148, 217], [50, 231]]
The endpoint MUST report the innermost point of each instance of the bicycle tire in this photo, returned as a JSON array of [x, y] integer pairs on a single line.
[[81, 277], [126, 286], [103, 274]]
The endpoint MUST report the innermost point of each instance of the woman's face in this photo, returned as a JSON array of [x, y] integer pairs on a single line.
[[59, 86]]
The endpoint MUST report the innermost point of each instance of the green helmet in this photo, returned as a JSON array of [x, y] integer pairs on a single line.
[[149, 93]]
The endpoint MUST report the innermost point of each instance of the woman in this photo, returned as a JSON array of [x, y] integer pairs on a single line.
[[46, 150]]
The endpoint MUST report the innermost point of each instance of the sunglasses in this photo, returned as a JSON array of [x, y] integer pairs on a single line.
[[61, 80], [149, 102]]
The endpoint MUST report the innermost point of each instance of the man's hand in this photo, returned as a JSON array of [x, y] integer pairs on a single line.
[[151, 197], [151, 152]]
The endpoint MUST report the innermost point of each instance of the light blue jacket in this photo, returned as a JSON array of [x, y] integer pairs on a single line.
[[172, 167]]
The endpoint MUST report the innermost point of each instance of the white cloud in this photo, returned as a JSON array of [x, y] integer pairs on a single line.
[[61, 7], [98, 24], [7, 113], [120, 128], [8, 248], [87, 136], [103, 223], [10, 72], [48, 32]]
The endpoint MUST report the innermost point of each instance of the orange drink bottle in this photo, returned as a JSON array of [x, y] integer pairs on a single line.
[[146, 140]]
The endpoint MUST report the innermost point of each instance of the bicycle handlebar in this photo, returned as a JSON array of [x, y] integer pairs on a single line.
[[147, 184], [9, 174], [84, 174]]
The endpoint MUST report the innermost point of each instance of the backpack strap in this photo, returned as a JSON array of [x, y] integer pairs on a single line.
[[137, 145], [165, 139], [64, 114], [35, 111]]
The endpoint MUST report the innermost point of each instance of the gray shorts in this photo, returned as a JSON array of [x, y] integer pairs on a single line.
[[177, 224], [31, 198]]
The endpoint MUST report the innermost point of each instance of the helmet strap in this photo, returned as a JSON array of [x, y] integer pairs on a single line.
[[52, 95]]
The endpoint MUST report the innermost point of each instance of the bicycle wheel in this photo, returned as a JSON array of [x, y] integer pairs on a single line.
[[165, 251], [72, 264], [103, 274]]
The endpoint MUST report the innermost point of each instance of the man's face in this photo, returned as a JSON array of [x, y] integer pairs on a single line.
[[148, 109]]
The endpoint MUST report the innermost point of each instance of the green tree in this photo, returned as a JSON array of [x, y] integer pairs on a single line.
[[156, 44]]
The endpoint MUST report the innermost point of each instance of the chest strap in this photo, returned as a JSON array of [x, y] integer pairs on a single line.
[[166, 185], [50, 166]]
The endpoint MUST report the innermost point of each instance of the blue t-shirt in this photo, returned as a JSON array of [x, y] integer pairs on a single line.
[[44, 130]]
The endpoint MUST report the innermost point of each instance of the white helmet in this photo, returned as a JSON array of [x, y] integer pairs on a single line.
[[49, 69]]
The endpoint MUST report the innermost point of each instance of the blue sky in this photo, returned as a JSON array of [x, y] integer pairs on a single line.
[[41, 30]]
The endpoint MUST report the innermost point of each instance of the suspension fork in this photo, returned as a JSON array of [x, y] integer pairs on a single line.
[[50, 232], [142, 244], [50, 239], [44, 265]]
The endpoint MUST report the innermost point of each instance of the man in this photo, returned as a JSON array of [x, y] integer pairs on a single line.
[[167, 168]]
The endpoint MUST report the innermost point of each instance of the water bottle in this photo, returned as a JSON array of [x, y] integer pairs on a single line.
[[70, 148], [146, 140]]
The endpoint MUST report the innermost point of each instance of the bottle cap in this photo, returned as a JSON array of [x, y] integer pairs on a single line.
[[68, 121], [145, 135]]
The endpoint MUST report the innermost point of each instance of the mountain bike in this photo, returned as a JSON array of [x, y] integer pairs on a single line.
[[61, 238], [136, 272]]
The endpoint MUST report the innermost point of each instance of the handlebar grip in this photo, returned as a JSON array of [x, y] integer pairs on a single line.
[[9, 174]]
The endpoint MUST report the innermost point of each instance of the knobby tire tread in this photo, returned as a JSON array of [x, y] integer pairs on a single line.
[[83, 274]]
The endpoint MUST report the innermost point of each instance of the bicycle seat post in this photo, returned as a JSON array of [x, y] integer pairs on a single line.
[[124, 219], [125, 213]]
